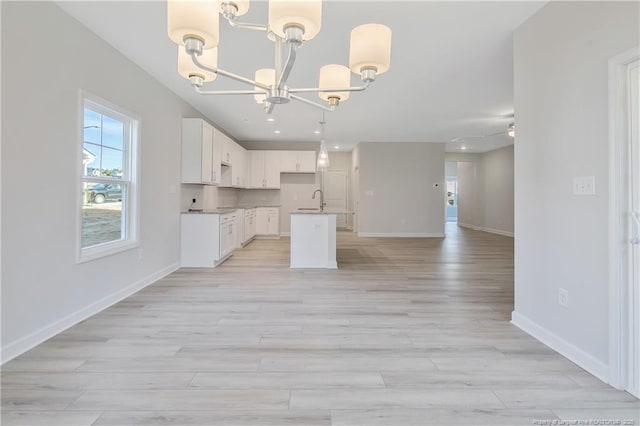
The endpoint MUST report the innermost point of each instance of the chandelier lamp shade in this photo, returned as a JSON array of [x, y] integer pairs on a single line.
[[323, 153], [194, 26]]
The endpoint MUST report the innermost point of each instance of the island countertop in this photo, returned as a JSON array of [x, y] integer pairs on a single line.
[[317, 212]]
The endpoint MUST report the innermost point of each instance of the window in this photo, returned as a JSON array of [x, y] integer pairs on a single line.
[[108, 180]]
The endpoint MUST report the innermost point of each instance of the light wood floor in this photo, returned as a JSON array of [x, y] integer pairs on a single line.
[[407, 331]]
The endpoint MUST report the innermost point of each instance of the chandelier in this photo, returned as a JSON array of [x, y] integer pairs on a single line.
[[194, 27]]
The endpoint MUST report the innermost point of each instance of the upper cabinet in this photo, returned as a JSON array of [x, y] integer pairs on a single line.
[[298, 161], [238, 160], [228, 147], [199, 162], [265, 169]]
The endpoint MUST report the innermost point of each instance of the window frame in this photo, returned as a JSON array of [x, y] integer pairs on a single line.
[[129, 181]]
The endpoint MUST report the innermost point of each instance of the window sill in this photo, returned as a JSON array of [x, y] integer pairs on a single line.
[[103, 250]]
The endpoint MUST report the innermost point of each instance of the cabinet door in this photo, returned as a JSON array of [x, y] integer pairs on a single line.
[[237, 166], [207, 153], [272, 169], [289, 161], [227, 149], [307, 161], [247, 228], [273, 224], [216, 158], [257, 169], [262, 224]]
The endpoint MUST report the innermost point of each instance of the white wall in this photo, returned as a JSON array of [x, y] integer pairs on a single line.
[[47, 57], [396, 193], [485, 191], [469, 188], [561, 109]]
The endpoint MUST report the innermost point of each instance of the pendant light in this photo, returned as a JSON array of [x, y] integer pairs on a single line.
[[323, 154]]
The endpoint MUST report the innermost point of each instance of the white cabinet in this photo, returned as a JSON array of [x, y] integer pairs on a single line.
[[227, 147], [249, 225], [238, 166], [200, 159], [206, 240], [239, 231], [268, 221], [227, 234], [265, 169], [298, 161]]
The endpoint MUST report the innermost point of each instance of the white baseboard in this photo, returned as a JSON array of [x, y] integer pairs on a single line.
[[285, 234], [498, 231], [564, 348], [466, 225], [25, 343], [490, 230], [400, 235]]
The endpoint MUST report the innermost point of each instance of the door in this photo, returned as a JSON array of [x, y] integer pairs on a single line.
[[336, 188], [634, 273]]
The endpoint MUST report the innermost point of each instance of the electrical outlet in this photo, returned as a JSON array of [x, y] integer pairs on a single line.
[[563, 297]]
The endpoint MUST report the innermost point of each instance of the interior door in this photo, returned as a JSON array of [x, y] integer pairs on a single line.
[[336, 187], [634, 290]]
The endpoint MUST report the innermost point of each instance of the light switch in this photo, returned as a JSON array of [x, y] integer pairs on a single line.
[[584, 185]]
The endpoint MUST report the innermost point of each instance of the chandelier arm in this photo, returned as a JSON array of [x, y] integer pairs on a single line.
[[228, 92], [246, 25], [313, 104], [319, 89], [194, 58], [288, 65]]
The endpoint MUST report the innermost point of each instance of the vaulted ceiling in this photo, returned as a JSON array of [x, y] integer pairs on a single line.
[[451, 76]]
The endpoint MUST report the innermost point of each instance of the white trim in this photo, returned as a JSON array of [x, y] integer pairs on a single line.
[[130, 179], [564, 348], [490, 230], [466, 225], [619, 146], [25, 343], [497, 231], [400, 235], [285, 234]]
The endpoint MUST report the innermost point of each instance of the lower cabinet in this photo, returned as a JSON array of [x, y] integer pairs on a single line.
[[268, 221], [249, 225], [206, 239]]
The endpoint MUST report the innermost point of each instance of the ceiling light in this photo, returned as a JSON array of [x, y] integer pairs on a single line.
[[271, 119], [463, 148], [336, 146], [511, 131], [317, 132], [194, 26], [276, 131], [188, 69], [265, 76]]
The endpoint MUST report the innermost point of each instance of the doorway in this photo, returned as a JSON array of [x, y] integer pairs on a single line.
[[624, 245], [451, 201], [336, 195]]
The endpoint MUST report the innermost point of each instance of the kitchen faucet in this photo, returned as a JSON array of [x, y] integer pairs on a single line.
[[313, 197]]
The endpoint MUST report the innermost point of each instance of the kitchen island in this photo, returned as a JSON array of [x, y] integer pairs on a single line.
[[313, 240]]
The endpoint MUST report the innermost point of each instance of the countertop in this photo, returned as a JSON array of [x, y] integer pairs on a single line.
[[215, 211], [252, 206], [318, 212]]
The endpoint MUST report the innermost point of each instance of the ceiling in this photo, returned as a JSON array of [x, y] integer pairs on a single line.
[[451, 75]]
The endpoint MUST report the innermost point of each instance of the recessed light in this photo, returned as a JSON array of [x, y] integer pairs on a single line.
[[271, 119], [277, 131], [336, 146], [463, 148], [317, 132]]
